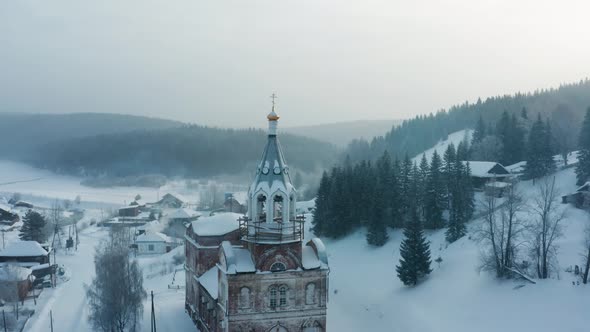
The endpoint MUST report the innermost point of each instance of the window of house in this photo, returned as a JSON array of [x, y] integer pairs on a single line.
[[283, 296], [277, 267], [273, 297], [150, 247], [244, 297], [310, 293]]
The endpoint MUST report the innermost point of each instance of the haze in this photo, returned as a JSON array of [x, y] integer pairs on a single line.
[[217, 62]]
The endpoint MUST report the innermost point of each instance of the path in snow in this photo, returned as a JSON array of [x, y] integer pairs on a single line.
[[68, 300]]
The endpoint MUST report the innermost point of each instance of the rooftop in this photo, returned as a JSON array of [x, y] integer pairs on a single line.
[[24, 249], [216, 225]]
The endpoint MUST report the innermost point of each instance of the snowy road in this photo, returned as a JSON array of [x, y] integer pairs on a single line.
[[68, 300]]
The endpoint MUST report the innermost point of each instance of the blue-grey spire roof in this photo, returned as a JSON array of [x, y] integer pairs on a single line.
[[272, 172]]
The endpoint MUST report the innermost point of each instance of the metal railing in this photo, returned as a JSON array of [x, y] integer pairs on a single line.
[[262, 231]]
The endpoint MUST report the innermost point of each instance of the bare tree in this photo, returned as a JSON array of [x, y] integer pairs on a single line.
[[545, 228], [501, 232], [116, 294]]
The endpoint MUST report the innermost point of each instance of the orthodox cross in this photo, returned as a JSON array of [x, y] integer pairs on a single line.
[[273, 97]]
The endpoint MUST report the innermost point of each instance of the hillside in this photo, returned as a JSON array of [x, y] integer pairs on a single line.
[[192, 151], [22, 133], [418, 134], [365, 293], [342, 133]]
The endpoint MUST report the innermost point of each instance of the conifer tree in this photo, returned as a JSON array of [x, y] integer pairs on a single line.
[[33, 227], [405, 183], [422, 181], [414, 263], [539, 153], [449, 160], [322, 211], [480, 131], [434, 199], [583, 167]]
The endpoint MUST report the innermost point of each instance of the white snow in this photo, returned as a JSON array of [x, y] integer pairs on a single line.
[[243, 261], [309, 258], [210, 281], [23, 249], [14, 273], [183, 213], [442, 145], [218, 224], [153, 237], [481, 169]]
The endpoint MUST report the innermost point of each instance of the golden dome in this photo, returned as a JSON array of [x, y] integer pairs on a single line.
[[272, 116]]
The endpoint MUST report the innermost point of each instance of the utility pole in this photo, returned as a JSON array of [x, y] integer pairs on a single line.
[[153, 315], [51, 319], [4, 318]]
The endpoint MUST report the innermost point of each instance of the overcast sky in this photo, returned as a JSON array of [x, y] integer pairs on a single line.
[[216, 62]]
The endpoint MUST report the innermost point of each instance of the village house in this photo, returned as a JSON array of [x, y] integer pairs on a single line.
[[490, 177], [150, 243], [7, 217], [171, 201], [233, 205], [183, 215], [24, 253], [580, 198], [258, 274]]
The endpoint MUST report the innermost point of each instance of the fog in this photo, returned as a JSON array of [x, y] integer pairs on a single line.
[[217, 62]]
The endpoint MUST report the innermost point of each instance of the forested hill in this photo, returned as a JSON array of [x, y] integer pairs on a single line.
[[418, 134], [21, 134], [184, 151]]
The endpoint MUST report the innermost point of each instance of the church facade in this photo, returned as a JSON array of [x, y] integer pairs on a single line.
[[256, 272]]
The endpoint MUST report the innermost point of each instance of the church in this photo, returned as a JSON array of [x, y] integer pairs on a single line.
[[255, 273]]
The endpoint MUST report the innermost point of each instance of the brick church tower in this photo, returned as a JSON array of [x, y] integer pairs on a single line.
[[257, 274]]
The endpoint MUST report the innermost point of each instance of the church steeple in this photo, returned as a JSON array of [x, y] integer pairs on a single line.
[[272, 196]]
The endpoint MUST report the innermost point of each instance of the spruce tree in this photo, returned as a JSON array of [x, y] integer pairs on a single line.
[[322, 211], [405, 183], [449, 160], [422, 181], [480, 131], [583, 167], [33, 228], [539, 152], [434, 199], [414, 263]]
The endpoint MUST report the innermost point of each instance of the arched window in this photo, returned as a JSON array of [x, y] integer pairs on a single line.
[[283, 296], [277, 267], [244, 297], [312, 327], [273, 296], [310, 293], [277, 208], [260, 208]]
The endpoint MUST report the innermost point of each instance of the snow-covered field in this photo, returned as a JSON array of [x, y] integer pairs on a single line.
[[44, 186]]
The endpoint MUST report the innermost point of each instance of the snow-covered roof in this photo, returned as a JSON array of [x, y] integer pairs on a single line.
[[481, 169], [23, 249], [5, 207], [177, 196], [516, 168], [322, 253], [14, 273], [219, 224], [498, 184], [184, 213], [153, 237], [237, 260], [209, 281], [309, 259]]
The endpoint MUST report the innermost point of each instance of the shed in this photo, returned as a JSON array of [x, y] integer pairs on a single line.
[[483, 172], [154, 243]]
